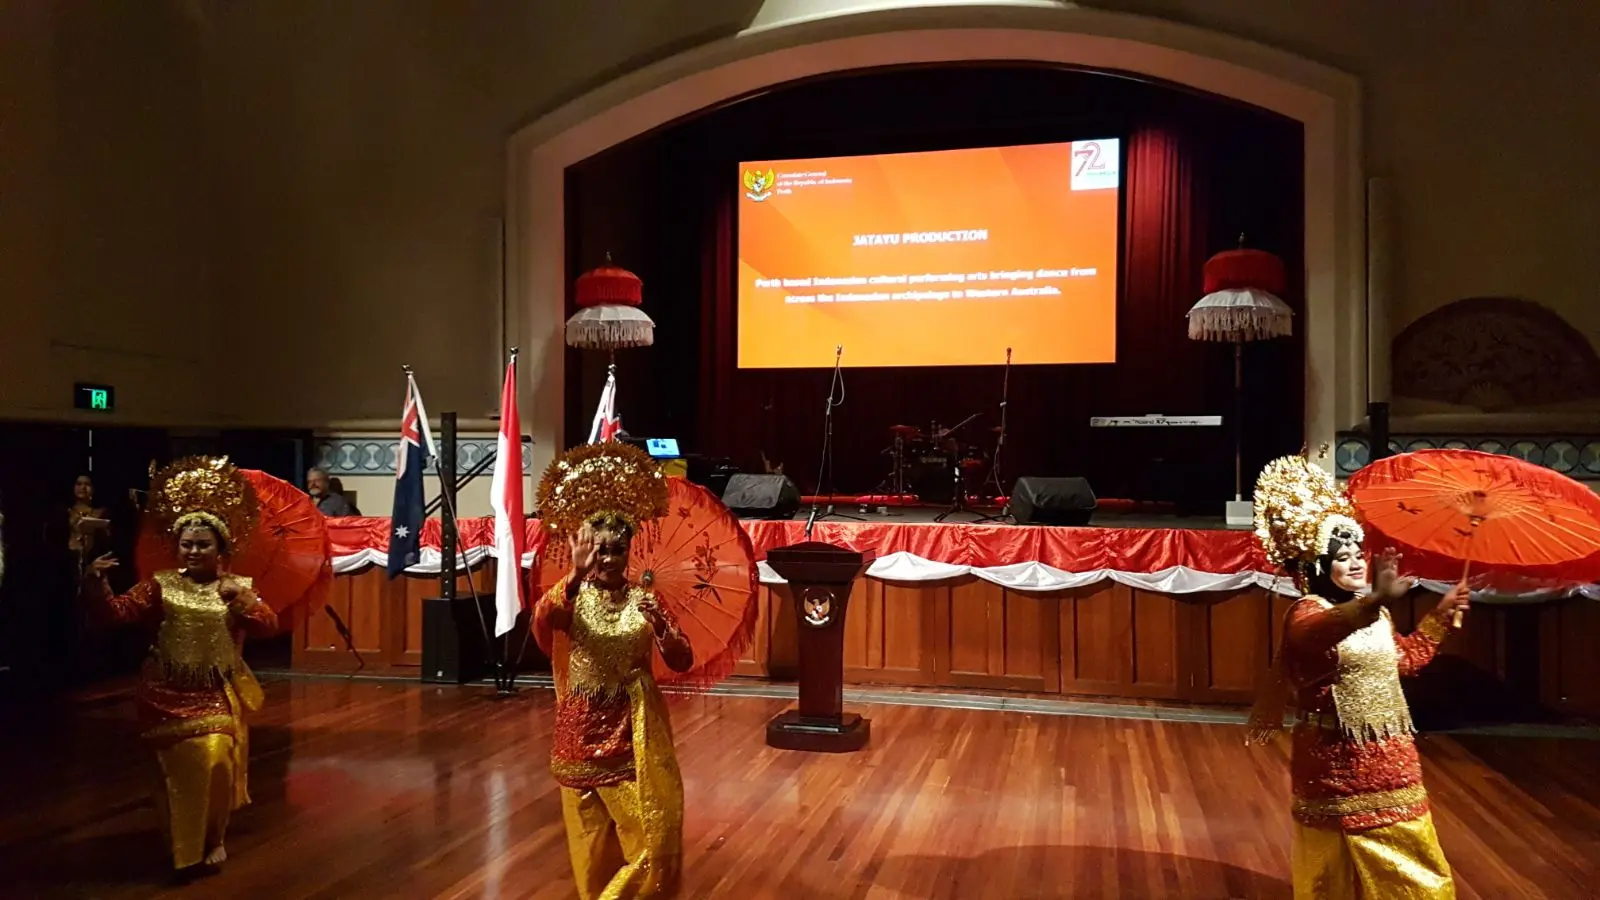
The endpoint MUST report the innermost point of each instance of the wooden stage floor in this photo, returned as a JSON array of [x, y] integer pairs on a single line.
[[394, 790]]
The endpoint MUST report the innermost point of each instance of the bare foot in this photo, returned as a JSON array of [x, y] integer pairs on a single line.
[[217, 856]]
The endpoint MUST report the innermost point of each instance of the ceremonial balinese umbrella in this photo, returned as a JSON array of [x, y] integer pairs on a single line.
[[609, 319], [1241, 304], [608, 316], [288, 556], [702, 567], [1448, 509]]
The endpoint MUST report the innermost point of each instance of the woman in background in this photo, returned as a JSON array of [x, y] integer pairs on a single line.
[[195, 689], [88, 526], [82, 532]]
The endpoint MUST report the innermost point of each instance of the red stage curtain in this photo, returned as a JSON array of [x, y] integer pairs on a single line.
[[1165, 246], [719, 356]]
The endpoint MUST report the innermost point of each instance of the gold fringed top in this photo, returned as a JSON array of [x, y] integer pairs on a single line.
[[194, 643], [1355, 764], [1366, 694], [611, 642]]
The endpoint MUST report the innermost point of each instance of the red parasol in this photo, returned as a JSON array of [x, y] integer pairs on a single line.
[[288, 556], [1446, 509], [701, 565]]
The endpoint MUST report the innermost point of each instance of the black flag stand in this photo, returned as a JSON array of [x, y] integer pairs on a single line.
[[449, 539]]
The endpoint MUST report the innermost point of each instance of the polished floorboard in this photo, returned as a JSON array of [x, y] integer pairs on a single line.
[[394, 790]]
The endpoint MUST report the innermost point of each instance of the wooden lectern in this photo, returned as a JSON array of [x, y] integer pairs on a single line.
[[820, 577]]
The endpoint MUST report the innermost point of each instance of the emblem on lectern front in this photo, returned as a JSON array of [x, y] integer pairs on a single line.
[[816, 605]]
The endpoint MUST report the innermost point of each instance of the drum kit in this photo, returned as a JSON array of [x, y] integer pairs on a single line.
[[940, 466], [935, 465]]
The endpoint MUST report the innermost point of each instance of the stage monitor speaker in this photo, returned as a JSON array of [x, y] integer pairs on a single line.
[[1052, 501], [762, 496], [453, 650]]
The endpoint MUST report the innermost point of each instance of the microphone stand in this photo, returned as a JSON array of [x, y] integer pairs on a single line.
[[825, 465], [958, 472], [349, 640], [1004, 515]]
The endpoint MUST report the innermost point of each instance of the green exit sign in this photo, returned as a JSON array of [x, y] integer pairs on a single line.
[[94, 397]]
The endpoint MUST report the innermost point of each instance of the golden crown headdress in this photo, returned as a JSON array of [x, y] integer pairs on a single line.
[[597, 479], [205, 490], [1300, 510]]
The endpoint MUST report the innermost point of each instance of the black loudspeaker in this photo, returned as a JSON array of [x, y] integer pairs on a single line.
[[453, 650], [762, 496], [1052, 501]]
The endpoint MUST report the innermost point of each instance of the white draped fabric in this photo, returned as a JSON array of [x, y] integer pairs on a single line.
[[1030, 577]]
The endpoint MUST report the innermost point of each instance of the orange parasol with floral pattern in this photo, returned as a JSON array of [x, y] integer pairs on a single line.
[[702, 567], [1449, 509]]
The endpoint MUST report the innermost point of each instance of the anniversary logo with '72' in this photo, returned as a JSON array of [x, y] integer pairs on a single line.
[[758, 185]]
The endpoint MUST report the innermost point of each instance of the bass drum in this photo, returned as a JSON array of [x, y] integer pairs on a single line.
[[930, 473], [974, 468], [933, 473]]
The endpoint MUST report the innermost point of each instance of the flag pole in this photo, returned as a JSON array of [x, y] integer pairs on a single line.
[[505, 680]]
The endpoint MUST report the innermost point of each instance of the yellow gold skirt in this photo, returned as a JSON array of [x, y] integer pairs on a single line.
[[202, 780], [626, 841], [1395, 862]]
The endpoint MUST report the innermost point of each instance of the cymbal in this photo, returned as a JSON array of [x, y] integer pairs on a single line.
[[904, 429]]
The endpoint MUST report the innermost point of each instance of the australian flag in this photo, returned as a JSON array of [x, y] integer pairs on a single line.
[[416, 448]]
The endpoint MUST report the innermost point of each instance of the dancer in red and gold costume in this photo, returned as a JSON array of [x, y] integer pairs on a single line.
[[1362, 825], [621, 791], [195, 688]]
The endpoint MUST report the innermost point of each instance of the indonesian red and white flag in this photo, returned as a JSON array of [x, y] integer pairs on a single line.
[[510, 530], [606, 422]]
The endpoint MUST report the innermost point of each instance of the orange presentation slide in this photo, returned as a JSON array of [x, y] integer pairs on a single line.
[[931, 259]]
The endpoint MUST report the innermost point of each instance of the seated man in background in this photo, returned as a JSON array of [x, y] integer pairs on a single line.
[[335, 486], [328, 503]]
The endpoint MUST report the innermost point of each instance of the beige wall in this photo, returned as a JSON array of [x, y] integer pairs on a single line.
[[365, 146], [105, 211], [1482, 112], [374, 494], [360, 172], [366, 175]]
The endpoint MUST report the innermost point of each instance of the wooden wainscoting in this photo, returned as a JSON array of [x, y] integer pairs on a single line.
[[1232, 638], [996, 639], [1569, 656], [1119, 641], [890, 637], [384, 618], [1105, 640]]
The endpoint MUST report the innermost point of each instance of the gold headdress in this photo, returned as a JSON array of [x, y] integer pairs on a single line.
[[1300, 510], [596, 479], [205, 490]]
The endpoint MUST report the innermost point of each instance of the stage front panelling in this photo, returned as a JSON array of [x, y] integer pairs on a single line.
[[1102, 640], [384, 619]]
